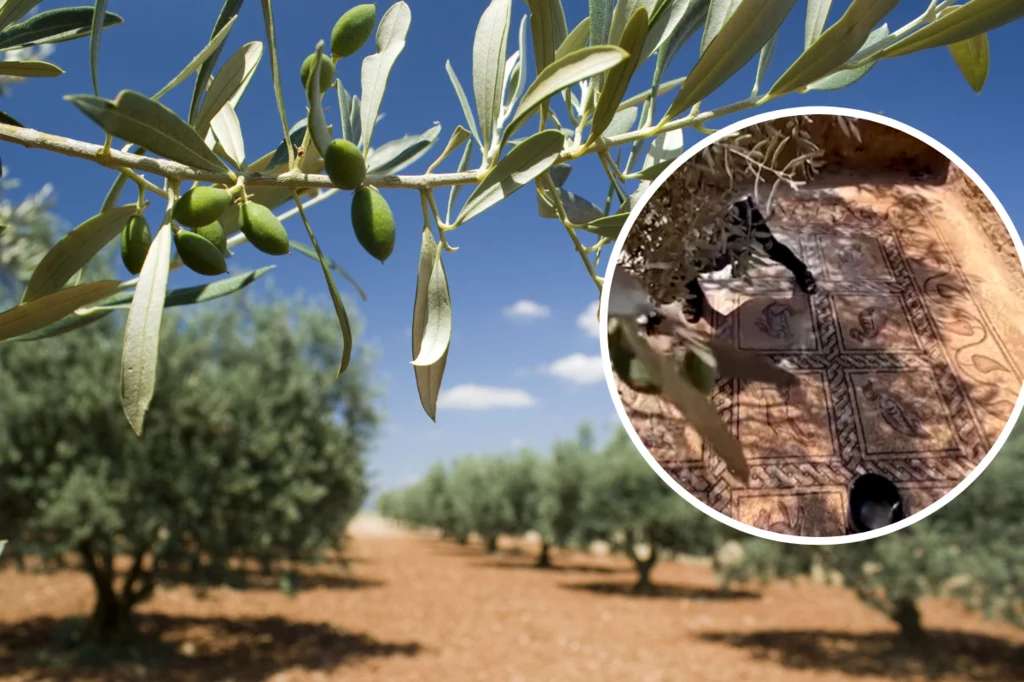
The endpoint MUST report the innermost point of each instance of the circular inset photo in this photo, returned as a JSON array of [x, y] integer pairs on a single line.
[[811, 325]]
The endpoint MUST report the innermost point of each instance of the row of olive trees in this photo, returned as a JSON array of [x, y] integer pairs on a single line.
[[972, 550], [577, 495]]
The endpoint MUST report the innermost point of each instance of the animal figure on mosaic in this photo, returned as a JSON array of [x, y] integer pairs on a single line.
[[775, 321], [872, 321], [791, 523], [901, 418], [789, 423], [851, 255], [745, 214]]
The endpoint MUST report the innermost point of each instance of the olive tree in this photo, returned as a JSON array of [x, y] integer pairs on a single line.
[[253, 460], [576, 87], [562, 480]]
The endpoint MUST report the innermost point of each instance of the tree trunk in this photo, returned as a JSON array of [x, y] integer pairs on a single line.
[[544, 560], [907, 615], [461, 538], [491, 542], [644, 566], [110, 617]]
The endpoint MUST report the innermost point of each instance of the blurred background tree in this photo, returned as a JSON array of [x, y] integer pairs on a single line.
[[254, 455]]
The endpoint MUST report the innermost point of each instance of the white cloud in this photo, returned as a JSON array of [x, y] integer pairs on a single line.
[[587, 321], [526, 310], [578, 368], [476, 397]]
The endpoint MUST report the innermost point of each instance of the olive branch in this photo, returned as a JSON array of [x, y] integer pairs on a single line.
[[576, 93]]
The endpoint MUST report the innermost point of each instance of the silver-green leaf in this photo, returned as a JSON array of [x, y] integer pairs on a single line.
[[46, 310], [215, 42], [30, 69], [521, 165], [229, 82], [74, 250], [562, 73], [971, 58], [814, 23], [140, 353], [489, 45], [391, 33], [835, 46], [54, 26], [435, 328], [963, 22], [617, 80], [99, 13], [428, 378], [136, 118], [745, 32], [395, 155]]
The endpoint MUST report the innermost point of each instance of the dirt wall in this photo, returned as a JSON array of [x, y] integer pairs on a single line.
[[880, 150]]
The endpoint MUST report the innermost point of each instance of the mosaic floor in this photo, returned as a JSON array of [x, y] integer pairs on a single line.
[[900, 372]]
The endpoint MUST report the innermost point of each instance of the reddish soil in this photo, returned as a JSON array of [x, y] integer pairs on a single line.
[[412, 607]]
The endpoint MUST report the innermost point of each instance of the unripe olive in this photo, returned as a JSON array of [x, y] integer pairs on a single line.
[[373, 222], [135, 241], [262, 228], [701, 371], [214, 233], [199, 254], [201, 206], [353, 30], [344, 164], [326, 71]]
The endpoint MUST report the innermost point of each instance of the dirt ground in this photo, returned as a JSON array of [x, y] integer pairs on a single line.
[[412, 607], [907, 357]]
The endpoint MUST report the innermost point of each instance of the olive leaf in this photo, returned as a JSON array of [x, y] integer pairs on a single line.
[[230, 81], [74, 250], [459, 135], [317, 126], [562, 73], [576, 40], [434, 315], [197, 61], [521, 165], [310, 252], [428, 378], [489, 46], [453, 193], [745, 32], [765, 61], [225, 20], [136, 118], [835, 46], [623, 12], [296, 135], [847, 77], [339, 305], [54, 26], [719, 12], [694, 17], [608, 227], [665, 20], [30, 69], [9, 120], [617, 79], [44, 311], [12, 10], [600, 21], [344, 112], [99, 13], [141, 349], [461, 94], [971, 58], [228, 131], [70, 322], [3, 545], [652, 171], [814, 23], [391, 33], [963, 22], [393, 156], [695, 406], [578, 210], [548, 28], [184, 296]]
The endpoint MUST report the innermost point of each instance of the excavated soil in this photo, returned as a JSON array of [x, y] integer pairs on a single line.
[[908, 356], [412, 607]]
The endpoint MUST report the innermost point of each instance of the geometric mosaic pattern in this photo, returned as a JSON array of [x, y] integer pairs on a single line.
[[900, 373]]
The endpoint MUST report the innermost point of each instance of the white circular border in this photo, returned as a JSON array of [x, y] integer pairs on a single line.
[[610, 376]]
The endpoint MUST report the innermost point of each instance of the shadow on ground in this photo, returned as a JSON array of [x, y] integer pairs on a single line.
[[660, 591], [555, 567], [178, 649], [886, 655]]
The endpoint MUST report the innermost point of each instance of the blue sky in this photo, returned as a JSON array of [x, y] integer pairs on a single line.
[[538, 369]]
